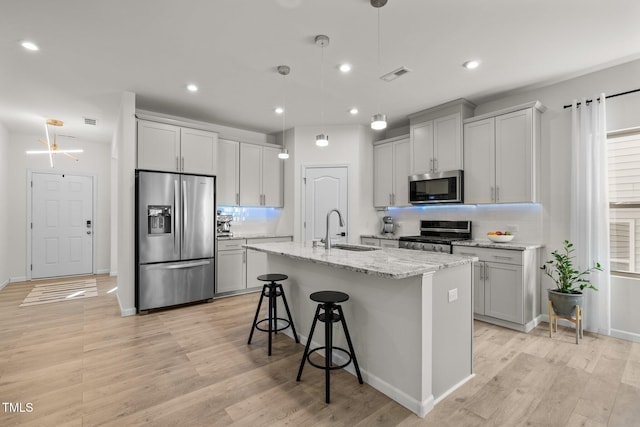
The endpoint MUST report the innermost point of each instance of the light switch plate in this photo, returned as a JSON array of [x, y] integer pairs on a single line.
[[453, 294]]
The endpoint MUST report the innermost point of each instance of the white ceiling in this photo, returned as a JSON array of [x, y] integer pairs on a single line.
[[91, 51]]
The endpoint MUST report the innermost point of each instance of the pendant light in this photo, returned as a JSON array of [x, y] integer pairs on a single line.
[[378, 120], [283, 70], [322, 140]]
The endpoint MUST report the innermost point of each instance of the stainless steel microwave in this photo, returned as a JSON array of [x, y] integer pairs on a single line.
[[439, 187]]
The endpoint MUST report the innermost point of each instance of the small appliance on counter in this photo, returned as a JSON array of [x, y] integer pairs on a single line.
[[388, 226], [224, 224]]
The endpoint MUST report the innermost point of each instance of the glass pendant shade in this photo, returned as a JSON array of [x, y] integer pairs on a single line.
[[283, 154], [378, 121], [322, 140]]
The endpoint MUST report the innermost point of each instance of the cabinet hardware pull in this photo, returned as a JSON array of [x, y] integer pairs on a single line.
[[502, 257], [237, 198], [435, 164], [493, 194], [182, 164], [177, 164], [497, 193], [431, 164]]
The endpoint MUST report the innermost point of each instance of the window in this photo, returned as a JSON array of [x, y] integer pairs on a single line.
[[624, 201]]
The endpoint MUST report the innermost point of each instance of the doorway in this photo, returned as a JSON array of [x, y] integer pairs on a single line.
[[325, 188], [61, 225]]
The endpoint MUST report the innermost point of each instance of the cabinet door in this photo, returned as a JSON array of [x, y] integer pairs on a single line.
[[250, 175], [422, 148], [382, 174], [478, 288], [370, 241], [228, 179], [514, 157], [401, 167], [479, 161], [503, 292], [198, 151], [158, 146], [447, 143], [384, 243], [231, 271], [272, 177]]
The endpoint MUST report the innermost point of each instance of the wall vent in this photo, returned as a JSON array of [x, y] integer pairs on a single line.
[[395, 74], [91, 122]]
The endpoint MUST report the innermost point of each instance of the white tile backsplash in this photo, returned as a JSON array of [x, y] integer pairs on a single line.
[[523, 219]]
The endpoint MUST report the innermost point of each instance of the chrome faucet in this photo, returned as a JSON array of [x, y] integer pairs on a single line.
[[327, 239]]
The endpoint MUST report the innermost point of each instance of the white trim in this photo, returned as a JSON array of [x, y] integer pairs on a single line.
[[103, 270], [454, 388], [5, 283], [94, 191], [419, 408], [18, 279], [113, 273], [124, 312], [629, 336]]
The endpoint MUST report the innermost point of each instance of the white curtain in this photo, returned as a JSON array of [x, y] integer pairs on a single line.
[[590, 207]]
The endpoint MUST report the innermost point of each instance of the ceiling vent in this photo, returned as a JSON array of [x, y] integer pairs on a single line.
[[395, 74], [90, 122]]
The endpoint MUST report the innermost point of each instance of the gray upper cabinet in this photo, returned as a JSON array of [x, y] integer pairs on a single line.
[[169, 148], [261, 176], [436, 137], [228, 191], [502, 156], [391, 164]]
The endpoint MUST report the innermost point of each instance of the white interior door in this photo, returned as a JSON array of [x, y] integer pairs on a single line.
[[62, 225], [325, 188]]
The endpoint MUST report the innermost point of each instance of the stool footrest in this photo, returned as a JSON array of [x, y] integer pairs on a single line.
[[288, 323], [323, 367]]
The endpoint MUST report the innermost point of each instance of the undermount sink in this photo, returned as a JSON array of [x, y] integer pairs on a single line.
[[356, 248]]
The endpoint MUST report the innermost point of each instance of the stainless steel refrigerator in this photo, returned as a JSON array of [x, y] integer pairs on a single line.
[[175, 239]]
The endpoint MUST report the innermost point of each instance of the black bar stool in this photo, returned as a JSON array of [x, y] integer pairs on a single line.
[[328, 301], [272, 291]]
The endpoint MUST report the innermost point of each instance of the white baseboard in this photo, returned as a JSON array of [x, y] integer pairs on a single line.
[[124, 312], [113, 273], [454, 388], [18, 279], [417, 407], [102, 271], [5, 283], [629, 336]]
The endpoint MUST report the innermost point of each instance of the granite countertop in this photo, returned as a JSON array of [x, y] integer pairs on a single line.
[[514, 246], [253, 236], [381, 236], [388, 263]]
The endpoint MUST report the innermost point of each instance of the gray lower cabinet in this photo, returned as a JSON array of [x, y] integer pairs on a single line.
[[383, 243], [505, 286], [238, 268], [231, 266]]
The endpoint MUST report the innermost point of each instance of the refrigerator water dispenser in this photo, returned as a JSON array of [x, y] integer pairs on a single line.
[[159, 219]]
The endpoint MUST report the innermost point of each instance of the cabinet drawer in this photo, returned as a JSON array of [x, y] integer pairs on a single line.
[[269, 240], [386, 243], [504, 256], [230, 245], [370, 241]]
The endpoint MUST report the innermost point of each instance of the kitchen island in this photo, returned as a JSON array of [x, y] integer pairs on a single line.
[[409, 313]]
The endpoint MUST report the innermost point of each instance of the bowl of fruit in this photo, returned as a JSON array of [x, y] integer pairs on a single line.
[[500, 236]]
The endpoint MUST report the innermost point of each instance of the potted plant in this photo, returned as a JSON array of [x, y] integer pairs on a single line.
[[569, 282]]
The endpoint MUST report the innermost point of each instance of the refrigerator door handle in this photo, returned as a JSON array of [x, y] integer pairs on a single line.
[[184, 213], [177, 266], [175, 211]]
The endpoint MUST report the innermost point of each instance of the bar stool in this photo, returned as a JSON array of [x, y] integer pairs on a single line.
[[272, 291], [332, 313]]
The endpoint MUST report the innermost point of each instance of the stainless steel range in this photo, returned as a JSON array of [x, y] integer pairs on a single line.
[[436, 236]]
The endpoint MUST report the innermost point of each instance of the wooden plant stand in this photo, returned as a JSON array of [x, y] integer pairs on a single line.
[[577, 320]]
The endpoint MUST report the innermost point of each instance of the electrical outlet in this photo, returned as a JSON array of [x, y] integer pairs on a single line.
[[453, 294]]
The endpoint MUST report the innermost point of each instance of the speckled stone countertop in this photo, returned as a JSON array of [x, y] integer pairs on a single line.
[[514, 246], [253, 236], [389, 263], [381, 236]]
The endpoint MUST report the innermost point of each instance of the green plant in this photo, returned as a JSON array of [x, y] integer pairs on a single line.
[[561, 270]]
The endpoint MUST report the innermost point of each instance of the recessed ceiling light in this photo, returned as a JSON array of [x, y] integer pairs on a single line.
[[471, 65], [30, 45], [345, 68], [192, 88], [353, 111], [279, 110]]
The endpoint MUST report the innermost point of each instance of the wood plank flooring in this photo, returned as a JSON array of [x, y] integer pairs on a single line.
[[81, 364]]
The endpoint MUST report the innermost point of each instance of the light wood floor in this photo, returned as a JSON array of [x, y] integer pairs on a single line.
[[80, 364]]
